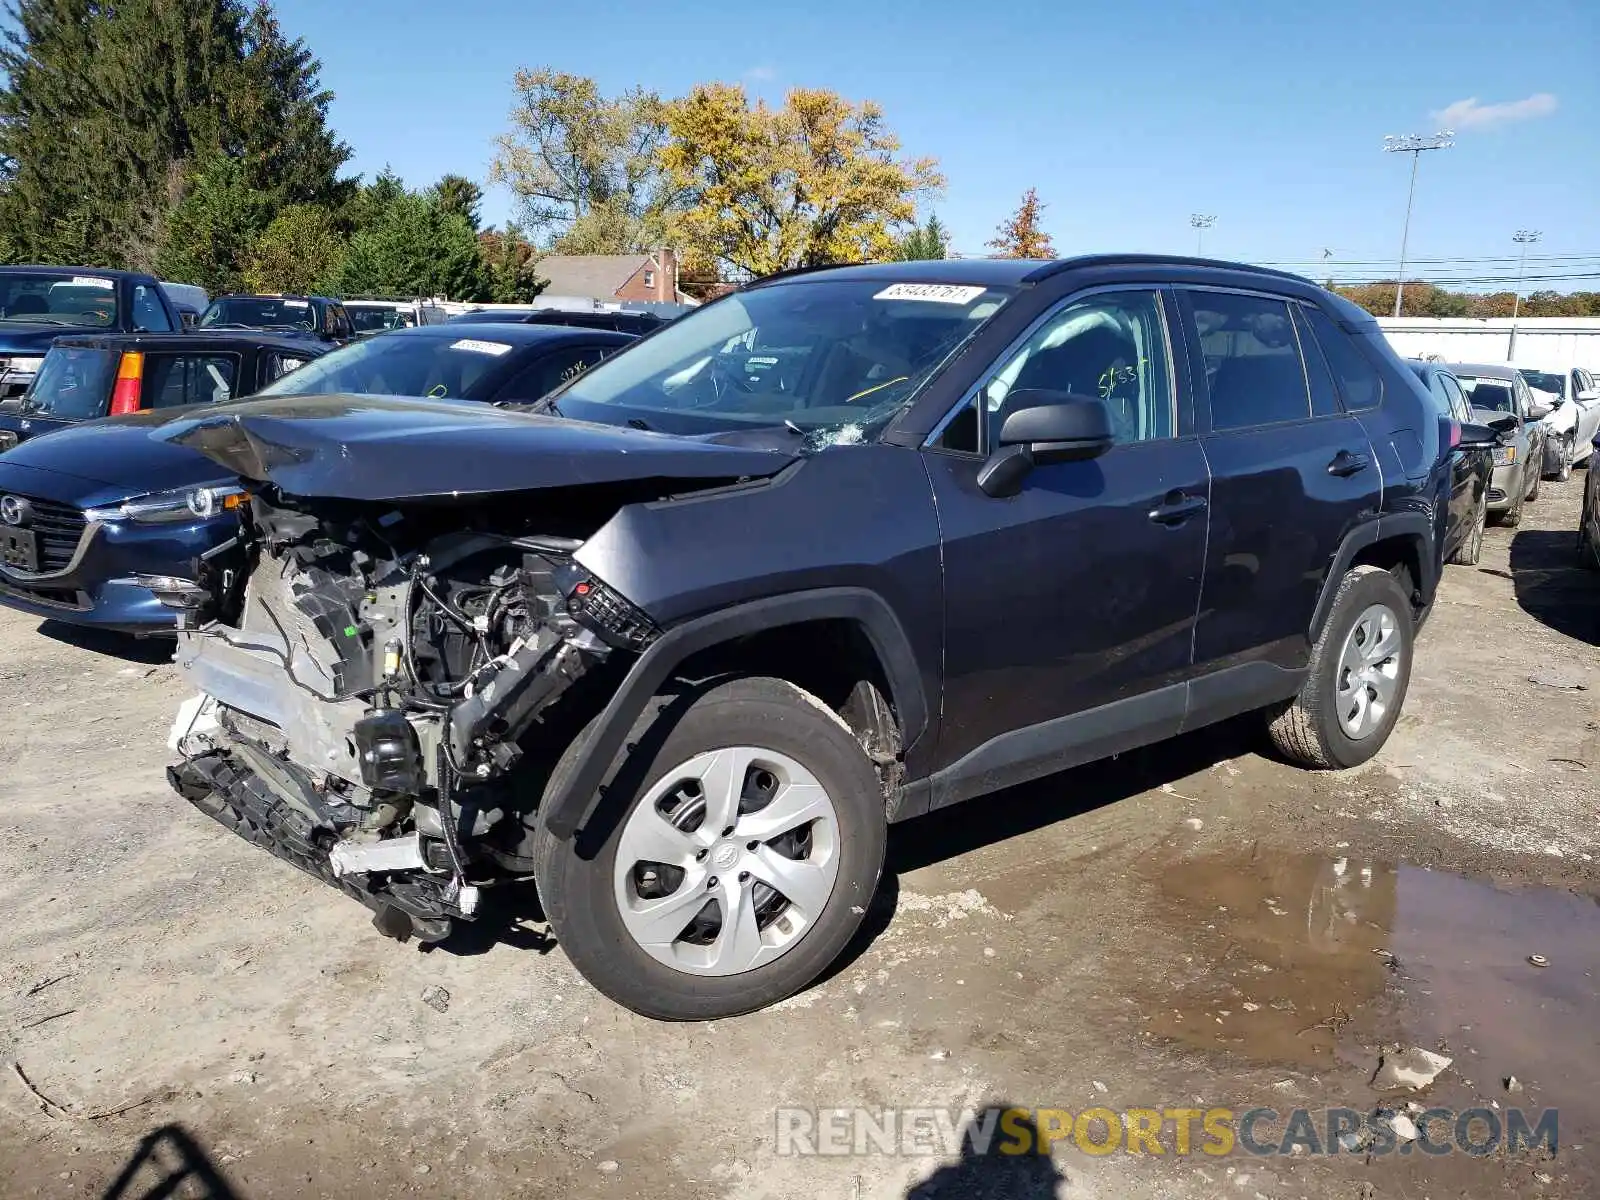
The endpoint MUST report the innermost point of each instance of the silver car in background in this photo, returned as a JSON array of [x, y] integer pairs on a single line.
[[1500, 399], [1574, 397]]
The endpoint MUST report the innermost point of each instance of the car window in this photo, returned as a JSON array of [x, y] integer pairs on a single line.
[[548, 372], [278, 365], [149, 314], [1319, 376], [1112, 347], [1253, 369], [171, 380], [1458, 400], [1359, 382]]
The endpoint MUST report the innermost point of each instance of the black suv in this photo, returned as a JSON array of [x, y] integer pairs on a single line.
[[316, 317], [839, 549]]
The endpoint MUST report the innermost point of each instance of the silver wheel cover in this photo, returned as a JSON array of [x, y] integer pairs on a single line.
[[1369, 671], [727, 862]]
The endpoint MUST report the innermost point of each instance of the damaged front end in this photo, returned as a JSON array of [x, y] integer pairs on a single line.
[[368, 716]]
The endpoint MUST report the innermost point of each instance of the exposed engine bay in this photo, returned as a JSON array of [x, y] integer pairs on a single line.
[[366, 716]]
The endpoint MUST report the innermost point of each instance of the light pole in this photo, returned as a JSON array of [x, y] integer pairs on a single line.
[[1523, 237], [1413, 145], [1201, 223]]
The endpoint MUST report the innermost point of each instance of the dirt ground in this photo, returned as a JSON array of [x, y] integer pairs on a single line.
[[1194, 925]]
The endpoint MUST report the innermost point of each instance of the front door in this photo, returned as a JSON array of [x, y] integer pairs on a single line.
[[1070, 606], [1291, 474]]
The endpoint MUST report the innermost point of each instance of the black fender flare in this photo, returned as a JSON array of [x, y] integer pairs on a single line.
[[565, 808], [1404, 525]]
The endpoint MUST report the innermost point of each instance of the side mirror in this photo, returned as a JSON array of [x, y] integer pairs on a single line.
[[1538, 412], [1044, 427], [1478, 437], [1589, 397]]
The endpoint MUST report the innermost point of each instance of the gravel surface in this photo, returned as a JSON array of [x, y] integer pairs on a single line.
[[1192, 925]]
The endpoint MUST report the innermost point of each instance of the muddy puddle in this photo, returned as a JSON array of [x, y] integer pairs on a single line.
[[1310, 961]]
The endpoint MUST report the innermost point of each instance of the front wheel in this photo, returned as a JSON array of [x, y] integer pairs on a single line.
[[1360, 669], [1538, 478], [1564, 471], [746, 837]]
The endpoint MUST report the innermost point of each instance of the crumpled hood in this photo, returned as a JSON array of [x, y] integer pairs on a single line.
[[397, 448]]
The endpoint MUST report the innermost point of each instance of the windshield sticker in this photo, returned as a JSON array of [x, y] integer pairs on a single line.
[[939, 293], [478, 347], [297, 304], [91, 281]]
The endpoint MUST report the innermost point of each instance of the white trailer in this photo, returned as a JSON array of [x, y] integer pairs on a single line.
[[1548, 342]]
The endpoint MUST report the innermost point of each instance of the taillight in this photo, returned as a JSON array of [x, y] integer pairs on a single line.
[[130, 373], [1455, 434]]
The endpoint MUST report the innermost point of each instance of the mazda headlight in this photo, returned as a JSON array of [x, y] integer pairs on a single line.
[[162, 508], [1504, 456]]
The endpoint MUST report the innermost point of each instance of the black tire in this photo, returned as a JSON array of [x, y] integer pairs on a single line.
[[575, 877], [1470, 550], [1308, 732], [1564, 472]]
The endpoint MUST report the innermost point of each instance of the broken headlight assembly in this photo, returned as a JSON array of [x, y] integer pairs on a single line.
[[601, 610], [166, 508]]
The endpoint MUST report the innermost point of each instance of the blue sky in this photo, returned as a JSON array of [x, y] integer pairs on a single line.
[[1127, 115]]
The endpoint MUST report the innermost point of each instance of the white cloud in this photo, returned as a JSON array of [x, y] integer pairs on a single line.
[[761, 74], [1469, 114]]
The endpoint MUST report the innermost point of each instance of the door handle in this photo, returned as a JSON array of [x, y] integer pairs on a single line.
[[1347, 463], [1177, 508]]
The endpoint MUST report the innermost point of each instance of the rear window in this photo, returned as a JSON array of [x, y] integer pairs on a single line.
[[376, 318], [73, 383], [259, 312], [397, 366], [1492, 394]]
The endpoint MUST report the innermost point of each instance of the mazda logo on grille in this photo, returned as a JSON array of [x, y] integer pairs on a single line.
[[14, 510]]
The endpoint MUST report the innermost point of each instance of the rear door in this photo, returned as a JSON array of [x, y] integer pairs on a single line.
[[1069, 606], [1288, 480]]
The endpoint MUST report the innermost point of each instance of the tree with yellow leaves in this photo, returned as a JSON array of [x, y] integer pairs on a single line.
[[1019, 236], [762, 190]]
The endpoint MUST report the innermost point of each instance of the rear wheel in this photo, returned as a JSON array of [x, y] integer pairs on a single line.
[[1471, 547], [747, 840], [1360, 669]]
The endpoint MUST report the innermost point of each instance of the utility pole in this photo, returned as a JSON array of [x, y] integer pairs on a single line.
[[1201, 223], [1413, 145], [1523, 237]]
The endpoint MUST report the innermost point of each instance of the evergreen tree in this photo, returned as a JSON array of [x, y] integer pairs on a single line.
[[300, 252], [414, 248], [458, 194], [109, 113], [929, 241], [211, 231]]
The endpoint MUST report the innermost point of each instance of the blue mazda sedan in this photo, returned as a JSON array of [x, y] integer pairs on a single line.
[[103, 524]]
